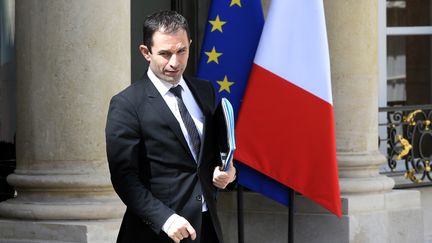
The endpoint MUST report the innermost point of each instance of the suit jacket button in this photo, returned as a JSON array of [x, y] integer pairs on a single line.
[[199, 198]]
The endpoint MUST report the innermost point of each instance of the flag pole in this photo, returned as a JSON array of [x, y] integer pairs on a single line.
[[240, 214], [291, 194]]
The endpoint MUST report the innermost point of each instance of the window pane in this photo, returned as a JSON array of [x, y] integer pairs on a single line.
[[409, 13], [409, 70]]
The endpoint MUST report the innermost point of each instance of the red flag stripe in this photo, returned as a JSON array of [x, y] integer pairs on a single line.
[[287, 133]]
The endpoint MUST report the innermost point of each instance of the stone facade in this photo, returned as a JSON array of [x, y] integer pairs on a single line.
[[72, 56]]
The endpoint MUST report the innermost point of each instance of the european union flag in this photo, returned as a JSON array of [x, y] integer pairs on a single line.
[[232, 34], [231, 38]]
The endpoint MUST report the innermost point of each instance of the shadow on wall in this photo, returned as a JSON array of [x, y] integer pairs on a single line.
[[7, 166], [7, 96]]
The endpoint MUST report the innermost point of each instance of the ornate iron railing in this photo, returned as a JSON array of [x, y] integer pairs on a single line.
[[409, 140]]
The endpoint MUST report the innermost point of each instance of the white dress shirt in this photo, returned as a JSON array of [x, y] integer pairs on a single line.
[[192, 106]]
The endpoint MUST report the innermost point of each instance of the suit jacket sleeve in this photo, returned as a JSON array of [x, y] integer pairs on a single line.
[[123, 141]]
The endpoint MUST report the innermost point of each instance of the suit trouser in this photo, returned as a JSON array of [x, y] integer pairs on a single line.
[[208, 234]]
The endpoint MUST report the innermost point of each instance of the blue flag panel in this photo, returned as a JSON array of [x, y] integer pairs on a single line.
[[231, 38]]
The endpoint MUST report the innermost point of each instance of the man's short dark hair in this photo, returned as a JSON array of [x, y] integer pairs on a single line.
[[166, 21]]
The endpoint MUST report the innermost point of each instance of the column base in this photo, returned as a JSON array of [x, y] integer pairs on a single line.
[[64, 210], [85, 231], [264, 219], [395, 216], [62, 196]]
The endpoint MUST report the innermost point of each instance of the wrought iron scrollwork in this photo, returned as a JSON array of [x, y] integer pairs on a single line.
[[410, 141], [406, 147]]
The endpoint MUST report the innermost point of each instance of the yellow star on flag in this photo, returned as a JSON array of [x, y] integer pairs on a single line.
[[213, 55], [237, 2], [225, 85], [217, 24]]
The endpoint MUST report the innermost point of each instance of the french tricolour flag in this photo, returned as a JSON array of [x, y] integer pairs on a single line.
[[285, 128]]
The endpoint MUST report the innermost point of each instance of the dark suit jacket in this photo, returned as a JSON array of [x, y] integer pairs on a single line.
[[152, 169]]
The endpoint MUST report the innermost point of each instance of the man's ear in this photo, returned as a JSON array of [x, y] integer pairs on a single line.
[[145, 52]]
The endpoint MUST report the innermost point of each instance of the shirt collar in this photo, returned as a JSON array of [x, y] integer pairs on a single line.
[[163, 86]]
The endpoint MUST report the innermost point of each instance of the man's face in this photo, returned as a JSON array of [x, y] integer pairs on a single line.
[[169, 55]]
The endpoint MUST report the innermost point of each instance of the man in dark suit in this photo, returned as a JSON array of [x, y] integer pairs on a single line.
[[161, 144]]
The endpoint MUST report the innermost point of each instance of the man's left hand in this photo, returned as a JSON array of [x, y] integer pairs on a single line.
[[222, 178]]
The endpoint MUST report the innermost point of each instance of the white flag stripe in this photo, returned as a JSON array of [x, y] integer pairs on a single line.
[[298, 58]]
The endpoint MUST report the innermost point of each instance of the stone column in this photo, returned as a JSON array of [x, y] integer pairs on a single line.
[[372, 211], [72, 56]]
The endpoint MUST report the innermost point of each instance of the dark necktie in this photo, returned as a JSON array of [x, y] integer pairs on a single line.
[[187, 120]]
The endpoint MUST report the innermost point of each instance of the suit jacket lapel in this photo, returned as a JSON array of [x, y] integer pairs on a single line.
[[161, 108]]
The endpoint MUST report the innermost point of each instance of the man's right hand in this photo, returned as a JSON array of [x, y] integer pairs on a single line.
[[181, 229]]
